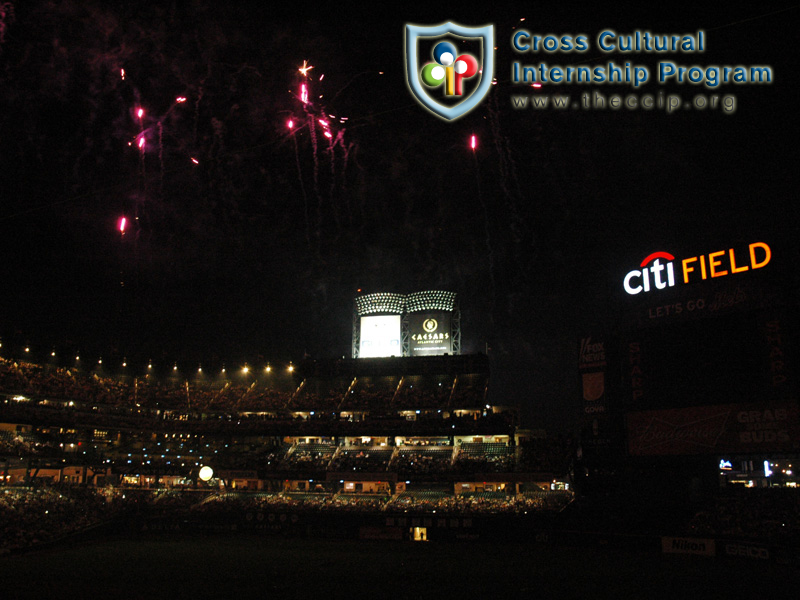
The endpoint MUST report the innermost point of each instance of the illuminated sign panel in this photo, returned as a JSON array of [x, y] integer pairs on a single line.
[[654, 275], [731, 428], [429, 333], [426, 323], [380, 336]]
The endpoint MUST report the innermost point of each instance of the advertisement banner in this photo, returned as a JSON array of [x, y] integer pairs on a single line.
[[699, 546], [429, 333], [596, 425], [592, 354], [723, 429]]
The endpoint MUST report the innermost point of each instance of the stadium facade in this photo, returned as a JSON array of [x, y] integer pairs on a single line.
[[697, 381]]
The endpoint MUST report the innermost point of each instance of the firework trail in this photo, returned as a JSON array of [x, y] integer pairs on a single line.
[[489, 249], [161, 157], [302, 185], [508, 170]]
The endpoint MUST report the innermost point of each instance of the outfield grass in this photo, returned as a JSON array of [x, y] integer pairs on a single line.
[[224, 566]]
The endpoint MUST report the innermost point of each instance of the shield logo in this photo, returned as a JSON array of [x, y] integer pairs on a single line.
[[449, 74]]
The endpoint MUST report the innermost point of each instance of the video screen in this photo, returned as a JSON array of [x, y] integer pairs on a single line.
[[380, 336]]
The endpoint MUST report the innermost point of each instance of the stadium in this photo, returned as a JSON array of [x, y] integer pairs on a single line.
[[270, 327], [398, 441], [403, 430]]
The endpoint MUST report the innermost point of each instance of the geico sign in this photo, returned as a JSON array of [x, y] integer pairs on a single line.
[[660, 275], [746, 551]]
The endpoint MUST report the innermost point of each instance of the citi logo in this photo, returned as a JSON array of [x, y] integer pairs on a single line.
[[639, 280], [653, 274]]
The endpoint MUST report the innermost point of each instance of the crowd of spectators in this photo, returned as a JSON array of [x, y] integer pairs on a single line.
[[369, 395], [305, 458], [421, 392], [480, 503], [324, 397], [23, 444], [767, 513], [363, 460], [73, 397], [163, 453], [415, 462], [469, 391], [149, 392], [484, 458], [30, 516], [407, 502], [33, 515], [545, 455]]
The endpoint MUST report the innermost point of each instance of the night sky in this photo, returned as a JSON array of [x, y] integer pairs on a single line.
[[255, 251]]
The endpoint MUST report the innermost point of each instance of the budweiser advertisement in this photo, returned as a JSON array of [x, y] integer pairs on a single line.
[[728, 428]]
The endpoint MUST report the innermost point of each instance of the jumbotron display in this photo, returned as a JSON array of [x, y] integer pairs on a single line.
[[380, 336], [419, 324]]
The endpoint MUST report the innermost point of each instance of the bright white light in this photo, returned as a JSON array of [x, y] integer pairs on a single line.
[[206, 473], [380, 336]]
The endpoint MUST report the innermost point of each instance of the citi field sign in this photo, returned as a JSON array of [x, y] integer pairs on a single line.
[[653, 274]]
